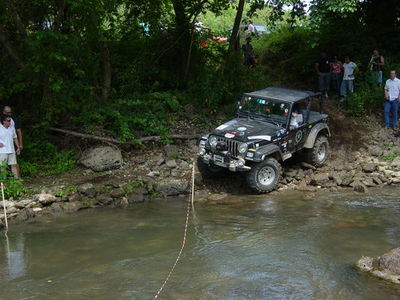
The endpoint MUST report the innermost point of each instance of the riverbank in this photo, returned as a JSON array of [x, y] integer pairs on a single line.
[[363, 155]]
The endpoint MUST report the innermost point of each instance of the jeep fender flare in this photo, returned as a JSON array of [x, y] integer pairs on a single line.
[[319, 128], [267, 150]]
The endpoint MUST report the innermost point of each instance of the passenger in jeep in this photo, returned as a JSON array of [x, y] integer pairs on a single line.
[[297, 117]]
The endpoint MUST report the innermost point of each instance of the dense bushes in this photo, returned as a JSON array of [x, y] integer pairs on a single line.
[[134, 117], [40, 156]]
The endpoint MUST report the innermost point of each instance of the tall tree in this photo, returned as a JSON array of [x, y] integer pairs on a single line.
[[233, 42]]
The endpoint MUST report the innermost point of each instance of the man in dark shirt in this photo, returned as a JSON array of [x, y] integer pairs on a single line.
[[248, 54], [323, 69], [7, 110]]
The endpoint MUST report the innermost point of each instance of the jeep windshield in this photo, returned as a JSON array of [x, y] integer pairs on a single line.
[[264, 109]]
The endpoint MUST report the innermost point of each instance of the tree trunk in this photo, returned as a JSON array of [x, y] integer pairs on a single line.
[[105, 58], [183, 35], [9, 49], [15, 17], [60, 15], [235, 31]]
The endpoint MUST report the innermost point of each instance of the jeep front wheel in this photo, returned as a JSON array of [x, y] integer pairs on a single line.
[[264, 176], [319, 153], [207, 171]]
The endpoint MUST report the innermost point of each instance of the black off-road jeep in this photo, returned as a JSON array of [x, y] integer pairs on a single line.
[[271, 125]]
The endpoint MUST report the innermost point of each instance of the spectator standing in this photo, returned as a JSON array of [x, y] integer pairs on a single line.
[[8, 138], [251, 30], [392, 99], [350, 69], [7, 110], [336, 75], [376, 64], [247, 48], [323, 69]]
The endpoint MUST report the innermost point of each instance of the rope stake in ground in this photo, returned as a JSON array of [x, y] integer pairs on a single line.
[[4, 207], [189, 205]]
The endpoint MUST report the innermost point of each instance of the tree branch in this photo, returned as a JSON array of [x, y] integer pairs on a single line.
[[114, 141]]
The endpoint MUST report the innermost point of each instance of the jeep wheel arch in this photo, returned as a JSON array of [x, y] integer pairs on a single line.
[[266, 151], [319, 129]]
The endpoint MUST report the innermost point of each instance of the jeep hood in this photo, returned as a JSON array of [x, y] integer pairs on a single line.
[[245, 130]]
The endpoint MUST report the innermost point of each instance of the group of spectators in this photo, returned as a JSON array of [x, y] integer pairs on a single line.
[[338, 76], [333, 73], [11, 143]]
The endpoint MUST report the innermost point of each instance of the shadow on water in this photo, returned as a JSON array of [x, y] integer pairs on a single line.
[[290, 246]]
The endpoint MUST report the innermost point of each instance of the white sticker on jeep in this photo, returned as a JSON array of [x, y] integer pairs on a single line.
[[222, 127], [260, 137], [226, 125]]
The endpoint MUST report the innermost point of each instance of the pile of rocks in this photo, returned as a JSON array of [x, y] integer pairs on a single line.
[[61, 199], [385, 267]]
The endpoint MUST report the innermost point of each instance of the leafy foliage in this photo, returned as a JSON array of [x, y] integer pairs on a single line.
[[42, 157], [13, 187]]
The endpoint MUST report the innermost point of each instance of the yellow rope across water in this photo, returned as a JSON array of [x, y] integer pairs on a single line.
[[190, 203], [4, 207]]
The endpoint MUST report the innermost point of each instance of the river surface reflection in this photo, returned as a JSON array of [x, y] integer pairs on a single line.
[[290, 246]]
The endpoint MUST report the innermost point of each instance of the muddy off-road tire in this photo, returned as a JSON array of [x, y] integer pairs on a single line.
[[319, 153], [207, 171], [264, 176]]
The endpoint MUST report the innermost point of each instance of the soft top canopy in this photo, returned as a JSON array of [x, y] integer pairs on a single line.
[[282, 94]]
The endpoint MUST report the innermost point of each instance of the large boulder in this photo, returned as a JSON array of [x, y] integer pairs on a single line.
[[375, 150], [171, 187], [320, 178], [369, 167], [45, 199], [87, 189], [102, 158], [386, 266], [396, 163]]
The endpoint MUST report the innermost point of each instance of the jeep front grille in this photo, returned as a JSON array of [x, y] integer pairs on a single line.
[[232, 145]]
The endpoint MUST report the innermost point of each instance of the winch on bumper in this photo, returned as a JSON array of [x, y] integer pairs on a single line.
[[225, 153]]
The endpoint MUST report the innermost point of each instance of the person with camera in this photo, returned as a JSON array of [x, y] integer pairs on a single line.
[[376, 65]]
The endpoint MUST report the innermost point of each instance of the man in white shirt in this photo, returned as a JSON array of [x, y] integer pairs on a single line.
[[8, 138], [251, 30], [349, 69], [392, 99], [7, 110]]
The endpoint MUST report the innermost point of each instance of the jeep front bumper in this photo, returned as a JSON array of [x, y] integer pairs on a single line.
[[224, 161]]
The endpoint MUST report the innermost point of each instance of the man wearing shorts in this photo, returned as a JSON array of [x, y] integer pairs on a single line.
[[8, 138]]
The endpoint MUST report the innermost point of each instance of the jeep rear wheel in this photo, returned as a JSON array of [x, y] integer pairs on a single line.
[[208, 171], [319, 153], [264, 176]]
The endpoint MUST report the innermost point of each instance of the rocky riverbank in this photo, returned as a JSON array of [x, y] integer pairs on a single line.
[[109, 177]]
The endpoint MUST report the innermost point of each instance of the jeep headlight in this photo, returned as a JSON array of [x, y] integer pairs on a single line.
[[242, 148], [213, 141]]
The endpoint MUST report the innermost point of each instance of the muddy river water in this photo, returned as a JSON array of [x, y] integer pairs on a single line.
[[290, 246]]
